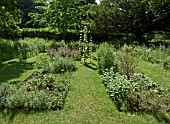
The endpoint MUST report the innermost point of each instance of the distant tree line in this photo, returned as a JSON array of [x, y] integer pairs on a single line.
[[133, 18]]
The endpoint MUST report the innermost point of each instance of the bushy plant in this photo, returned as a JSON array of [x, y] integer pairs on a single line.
[[59, 44], [7, 49], [105, 57], [166, 63], [117, 86], [73, 45], [125, 61], [23, 48], [150, 101]]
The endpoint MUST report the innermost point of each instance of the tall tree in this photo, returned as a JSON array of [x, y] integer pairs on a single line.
[[9, 18], [161, 10], [129, 16], [65, 15], [27, 7]]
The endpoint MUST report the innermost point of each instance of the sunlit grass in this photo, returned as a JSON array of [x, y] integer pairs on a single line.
[[155, 72]]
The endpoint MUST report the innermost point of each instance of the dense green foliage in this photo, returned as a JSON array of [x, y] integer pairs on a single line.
[[135, 92], [7, 50], [138, 17], [111, 18], [105, 57], [125, 61], [153, 54], [166, 63], [64, 15], [9, 18]]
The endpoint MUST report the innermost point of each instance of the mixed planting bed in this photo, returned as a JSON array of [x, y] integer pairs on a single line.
[[129, 90], [48, 86]]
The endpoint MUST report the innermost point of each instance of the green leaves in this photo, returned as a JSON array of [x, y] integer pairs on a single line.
[[138, 94], [132, 16], [9, 18], [65, 15], [105, 57]]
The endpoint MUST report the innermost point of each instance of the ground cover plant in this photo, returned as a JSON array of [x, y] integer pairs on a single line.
[[43, 90], [23, 48], [137, 94], [55, 64]]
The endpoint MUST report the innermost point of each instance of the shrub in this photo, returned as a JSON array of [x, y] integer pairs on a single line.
[[166, 63], [105, 57], [47, 33], [125, 61], [49, 92], [150, 101], [7, 49]]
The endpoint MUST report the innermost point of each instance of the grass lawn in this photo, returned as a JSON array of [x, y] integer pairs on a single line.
[[15, 70], [156, 73], [86, 103]]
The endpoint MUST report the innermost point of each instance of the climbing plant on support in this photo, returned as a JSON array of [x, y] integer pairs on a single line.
[[85, 46]]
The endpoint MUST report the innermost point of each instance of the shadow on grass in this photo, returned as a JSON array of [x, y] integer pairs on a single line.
[[159, 116], [91, 66], [162, 117], [13, 69]]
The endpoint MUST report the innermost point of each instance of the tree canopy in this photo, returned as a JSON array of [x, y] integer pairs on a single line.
[[138, 17], [64, 15], [9, 18]]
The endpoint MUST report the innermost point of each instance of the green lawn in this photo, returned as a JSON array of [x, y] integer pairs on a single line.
[[86, 103], [156, 73], [15, 70]]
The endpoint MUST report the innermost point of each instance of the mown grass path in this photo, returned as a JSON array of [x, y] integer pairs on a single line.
[[86, 103]]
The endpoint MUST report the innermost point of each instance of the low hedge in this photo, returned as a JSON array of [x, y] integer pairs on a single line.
[[48, 34]]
